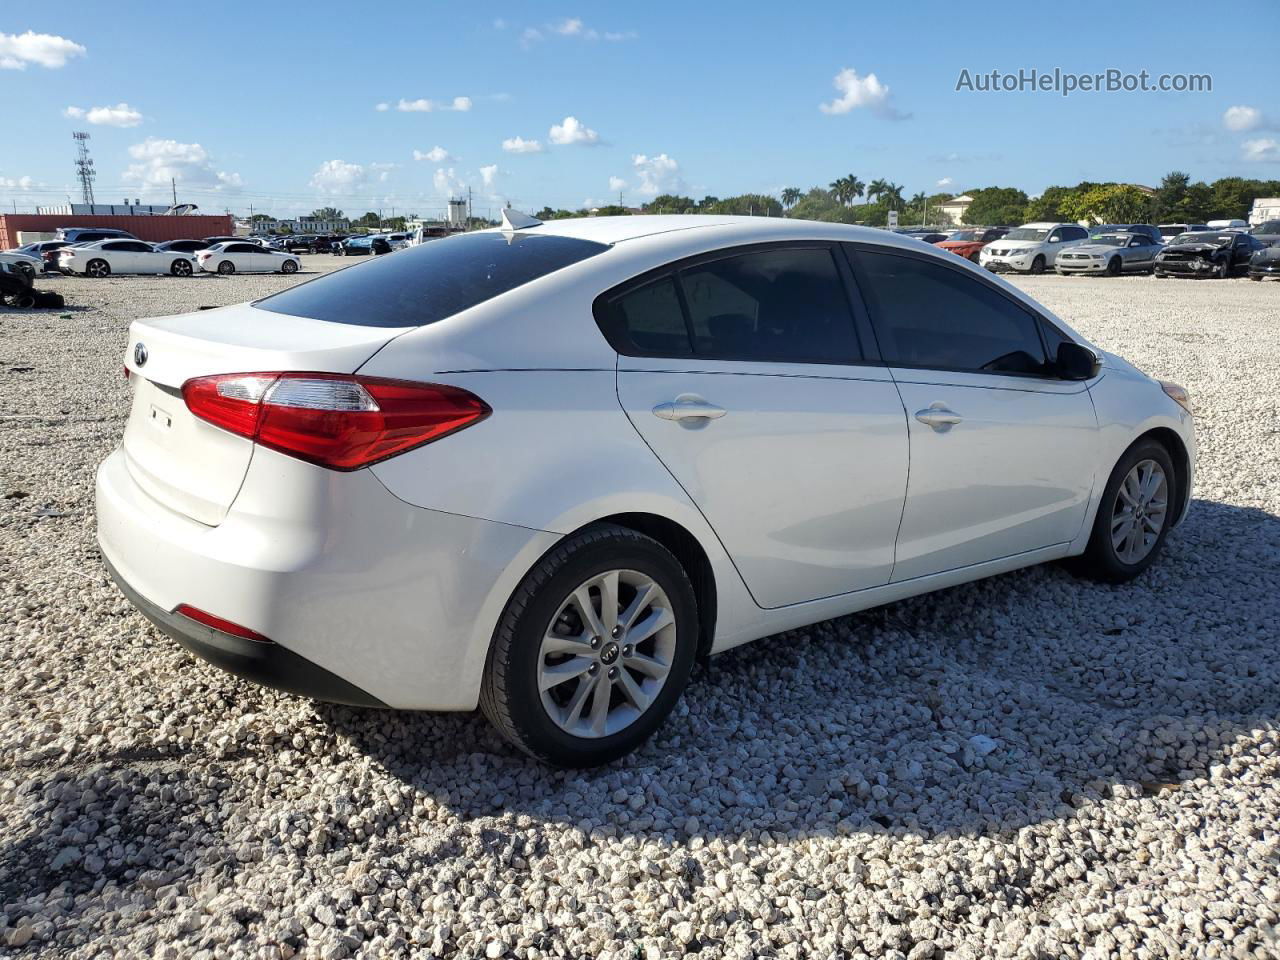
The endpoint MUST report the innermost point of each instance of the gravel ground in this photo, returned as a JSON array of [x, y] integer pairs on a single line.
[[1031, 766]]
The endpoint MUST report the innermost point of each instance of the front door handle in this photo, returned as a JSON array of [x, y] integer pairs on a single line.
[[688, 407], [938, 416]]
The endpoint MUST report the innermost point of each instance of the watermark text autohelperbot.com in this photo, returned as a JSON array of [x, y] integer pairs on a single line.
[[1065, 83]]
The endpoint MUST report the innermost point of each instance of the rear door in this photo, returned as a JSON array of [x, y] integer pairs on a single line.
[[1003, 453], [746, 374], [121, 256]]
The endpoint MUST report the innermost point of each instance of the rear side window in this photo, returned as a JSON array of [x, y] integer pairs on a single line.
[[786, 306], [428, 283], [930, 315], [651, 319]]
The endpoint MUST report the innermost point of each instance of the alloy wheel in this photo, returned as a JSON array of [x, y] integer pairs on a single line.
[[1138, 516], [606, 654]]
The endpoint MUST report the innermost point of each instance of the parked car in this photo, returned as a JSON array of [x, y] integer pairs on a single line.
[[101, 258], [354, 247], [1098, 229], [398, 241], [91, 234], [968, 243], [1171, 230], [1111, 254], [299, 244], [1031, 247], [1230, 224], [1267, 233], [214, 241], [43, 251], [22, 261], [183, 246], [324, 244], [1265, 262], [1148, 230], [1217, 253], [243, 257], [348, 526]]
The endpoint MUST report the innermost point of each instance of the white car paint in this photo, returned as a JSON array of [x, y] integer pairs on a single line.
[[394, 576], [1019, 251], [246, 256], [122, 255], [19, 258]]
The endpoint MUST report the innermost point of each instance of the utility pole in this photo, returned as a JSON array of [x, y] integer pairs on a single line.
[[468, 208], [173, 182], [84, 166]]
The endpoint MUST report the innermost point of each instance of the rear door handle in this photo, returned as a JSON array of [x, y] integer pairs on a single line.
[[687, 407], [938, 416]]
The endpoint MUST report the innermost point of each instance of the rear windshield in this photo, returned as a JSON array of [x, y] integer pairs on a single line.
[[430, 282]]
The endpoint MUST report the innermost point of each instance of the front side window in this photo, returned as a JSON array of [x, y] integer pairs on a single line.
[[782, 305], [930, 315]]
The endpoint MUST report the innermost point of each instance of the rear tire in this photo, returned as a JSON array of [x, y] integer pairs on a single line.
[[97, 269], [594, 714], [226, 268], [1127, 505]]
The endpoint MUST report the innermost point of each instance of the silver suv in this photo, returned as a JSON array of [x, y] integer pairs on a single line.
[[1032, 248]]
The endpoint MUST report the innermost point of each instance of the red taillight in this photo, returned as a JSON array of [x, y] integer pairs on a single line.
[[340, 421], [219, 624]]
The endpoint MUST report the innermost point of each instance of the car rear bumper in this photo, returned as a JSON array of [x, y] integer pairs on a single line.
[[368, 599]]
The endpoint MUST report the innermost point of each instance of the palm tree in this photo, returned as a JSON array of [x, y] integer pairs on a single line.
[[856, 187], [791, 196], [875, 188], [840, 189], [893, 193]]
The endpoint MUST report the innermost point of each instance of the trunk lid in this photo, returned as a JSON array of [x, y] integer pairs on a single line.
[[191, 466]]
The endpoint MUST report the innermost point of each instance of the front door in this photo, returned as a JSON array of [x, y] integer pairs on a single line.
[[1002, 451], [761, 407]]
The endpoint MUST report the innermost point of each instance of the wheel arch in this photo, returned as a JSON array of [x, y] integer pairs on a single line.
[[1173, 443]]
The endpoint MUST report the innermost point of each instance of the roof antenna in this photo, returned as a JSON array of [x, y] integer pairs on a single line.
[[515, 220]]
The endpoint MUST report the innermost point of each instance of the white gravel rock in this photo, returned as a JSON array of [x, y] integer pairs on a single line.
[[827, 793]]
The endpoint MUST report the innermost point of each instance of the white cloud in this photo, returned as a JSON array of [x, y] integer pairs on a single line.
[[530, 36], [499, 24], [859, 91], [338, 176], [382, 107], [121, 115], [945, 182], [1262, 150], [19, 49], [617, 183], [423, 105], [488, 174], [660, 174], [448, 183], [573, 131], [521, 145], [156, 162], [1242, 118], [570, 27], [16, 183], [434, 155]]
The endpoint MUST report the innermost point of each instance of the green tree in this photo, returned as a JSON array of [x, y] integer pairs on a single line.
[[370, 219], [892, 195], [1108, 203], [327, 213], [875, 188], [847, 189], [790, 195], [748, 204], [1171, 196], [1047, 206], [996, 205], [820, 204], [669, 203], [612, 210]]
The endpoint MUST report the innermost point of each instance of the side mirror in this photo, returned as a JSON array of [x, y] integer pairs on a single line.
[[1075, 362], [1055, 239]]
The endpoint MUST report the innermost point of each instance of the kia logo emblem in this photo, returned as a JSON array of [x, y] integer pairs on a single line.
[[140, 354]]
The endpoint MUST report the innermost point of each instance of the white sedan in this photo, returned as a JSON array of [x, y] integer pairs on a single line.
[[101, 258], [244, 256], [544, 469]]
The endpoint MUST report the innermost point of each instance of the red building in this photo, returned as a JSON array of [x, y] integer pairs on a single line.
[[153, 229]]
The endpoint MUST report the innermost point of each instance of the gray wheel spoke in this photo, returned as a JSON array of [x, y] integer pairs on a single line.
[[644, 597], [609, 600], [590, 619], [649, 666], [554, 643], [573, 709], [632, 692], [650, 625], [555, 675], [600, 705]]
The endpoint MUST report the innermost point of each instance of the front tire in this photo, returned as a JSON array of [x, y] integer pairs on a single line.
[[593, 649], [181, 268], [1113, 267], [1223, 271], [289, 266], [226, 268], [1134, 516], [1037, 265], [97, 269]]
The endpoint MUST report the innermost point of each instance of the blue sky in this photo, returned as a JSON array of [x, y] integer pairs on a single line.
[[277, 104]]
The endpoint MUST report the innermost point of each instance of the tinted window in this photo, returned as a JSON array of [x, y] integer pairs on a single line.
[[430, 282], [784, 305], [120, 246], [243, 248], [649, 320], [930, 315]]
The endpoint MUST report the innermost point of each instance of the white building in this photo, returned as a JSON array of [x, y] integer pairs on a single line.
[[303, 225], [955, 208], [1264, 209]]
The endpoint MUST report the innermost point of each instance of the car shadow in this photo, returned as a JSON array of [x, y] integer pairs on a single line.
[[940, 714]]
